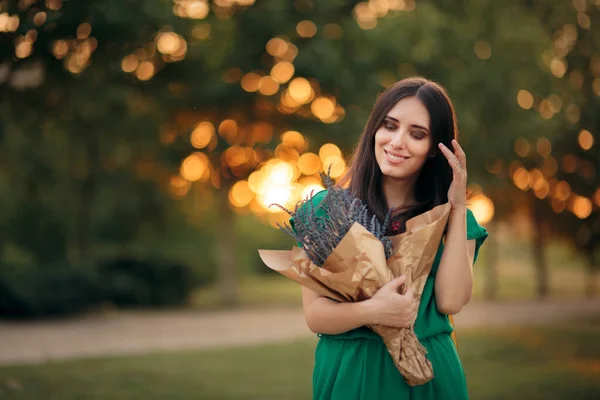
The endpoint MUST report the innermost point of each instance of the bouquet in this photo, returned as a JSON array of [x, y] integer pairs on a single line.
[[346, 256]]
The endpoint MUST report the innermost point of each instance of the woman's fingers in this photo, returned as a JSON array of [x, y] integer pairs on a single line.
[[455, 163], [460, 153]]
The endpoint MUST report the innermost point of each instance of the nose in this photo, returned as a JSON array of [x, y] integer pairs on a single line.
[[398, 141]]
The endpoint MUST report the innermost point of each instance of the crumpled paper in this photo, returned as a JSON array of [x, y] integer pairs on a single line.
[[357, 269]]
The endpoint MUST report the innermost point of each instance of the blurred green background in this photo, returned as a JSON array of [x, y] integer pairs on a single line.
[[142, 141]]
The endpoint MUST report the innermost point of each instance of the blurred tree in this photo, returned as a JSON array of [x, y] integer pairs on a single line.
[[568, 199]]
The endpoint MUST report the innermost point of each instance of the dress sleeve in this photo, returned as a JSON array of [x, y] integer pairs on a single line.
[[475, 232], [316, 200]]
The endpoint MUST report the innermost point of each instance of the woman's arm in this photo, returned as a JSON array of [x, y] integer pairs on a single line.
[[454, 279], [387, 307]]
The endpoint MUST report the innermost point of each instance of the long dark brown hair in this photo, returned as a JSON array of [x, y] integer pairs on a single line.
[[364, 177]]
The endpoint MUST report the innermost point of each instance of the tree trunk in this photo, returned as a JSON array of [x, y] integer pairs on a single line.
[[590, 276], [539, 256], [491, 282], [226, 247]]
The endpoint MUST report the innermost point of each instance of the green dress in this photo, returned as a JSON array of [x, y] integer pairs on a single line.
[[356, 365]]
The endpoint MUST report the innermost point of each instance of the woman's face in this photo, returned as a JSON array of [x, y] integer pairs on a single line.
[[403, 141]]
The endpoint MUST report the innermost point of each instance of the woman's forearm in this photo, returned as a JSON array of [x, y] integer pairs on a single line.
[[454, 279], [326, 316]]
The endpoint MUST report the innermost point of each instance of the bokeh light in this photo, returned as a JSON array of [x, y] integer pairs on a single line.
[[195, 166], [202, 135], [482, 207], [585, 139]]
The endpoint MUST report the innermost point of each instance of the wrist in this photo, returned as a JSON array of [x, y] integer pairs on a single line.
[[367, 312], [458, 209]]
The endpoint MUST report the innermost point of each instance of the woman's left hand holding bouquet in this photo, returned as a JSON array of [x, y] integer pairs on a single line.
[[387, 307]]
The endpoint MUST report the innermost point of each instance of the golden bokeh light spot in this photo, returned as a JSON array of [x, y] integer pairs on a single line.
[[550, 166], [276, 195], [294, 139], [562, 191], [84, 30], [129, 63], [145, 71], [558, 206], [202, 135], [240, 194], [287, 153], [250, 82], [583, 20], [196, 9], [545, 109], [544, 147], [54, 5], [323, 108], [178, 186], [9, 23], [522, 147], [309, 163], [536, 178], [256, 181], [514, 166], [283, 71], [569, 163], [558, 67], [288, 101], [228, 129], [582, 207], [280, 173], [235, 156], [585, 139], [555, 103], [300, 90], [522, 179], [306, 29], [367, 24], [311, 190], [328, 150], [337, 165], [168, 42], [40, 18], [23, 47], [268, 86], [482, 207], [542, 190], [597, 197], [525, 99], [194, 166], [482, 50], [277, 47]]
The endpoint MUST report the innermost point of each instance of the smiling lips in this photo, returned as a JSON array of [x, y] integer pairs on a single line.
[[395, 159]]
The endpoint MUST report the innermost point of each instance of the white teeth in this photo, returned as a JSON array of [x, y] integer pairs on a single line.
[[395, 158]]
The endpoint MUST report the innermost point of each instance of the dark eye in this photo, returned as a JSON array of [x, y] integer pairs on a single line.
[[389, 126], [418, 135]]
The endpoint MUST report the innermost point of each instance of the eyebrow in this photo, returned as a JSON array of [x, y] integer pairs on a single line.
[[413, 125]]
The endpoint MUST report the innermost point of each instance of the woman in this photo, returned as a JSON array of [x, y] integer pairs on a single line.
[[404, 161]]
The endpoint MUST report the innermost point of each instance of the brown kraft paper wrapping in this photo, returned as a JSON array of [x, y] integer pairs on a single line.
[[357, 269]]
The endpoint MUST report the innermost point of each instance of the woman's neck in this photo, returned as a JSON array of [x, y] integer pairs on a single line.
[[399, 193]]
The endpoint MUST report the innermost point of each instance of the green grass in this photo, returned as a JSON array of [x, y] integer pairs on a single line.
[[526, 364]]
